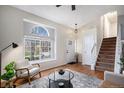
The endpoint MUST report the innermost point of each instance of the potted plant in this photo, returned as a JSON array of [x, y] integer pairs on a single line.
[[9, 74], [121, 64]]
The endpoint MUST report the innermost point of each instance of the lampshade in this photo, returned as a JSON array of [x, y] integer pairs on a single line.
[[14, 45]]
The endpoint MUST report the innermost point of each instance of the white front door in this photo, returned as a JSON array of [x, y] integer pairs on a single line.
[[89, 47], [70, 51]]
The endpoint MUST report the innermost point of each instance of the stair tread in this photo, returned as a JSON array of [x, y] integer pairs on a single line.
[[109, 63], [112, 70], [102, 50], [112, 49], [102, 58], [106, 57], [108, 44], [104, 68], [106, 51], [105, 61], [104, 40], [109, 38]]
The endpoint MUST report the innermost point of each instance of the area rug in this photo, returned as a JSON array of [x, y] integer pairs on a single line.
[[80, 80]]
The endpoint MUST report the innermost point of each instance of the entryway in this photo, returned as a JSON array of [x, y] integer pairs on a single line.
[[70, 50]]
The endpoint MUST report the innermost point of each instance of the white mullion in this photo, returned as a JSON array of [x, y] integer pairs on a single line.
[[52, 51], [34, 48], [40, 50], [30, 47], [49, 48]]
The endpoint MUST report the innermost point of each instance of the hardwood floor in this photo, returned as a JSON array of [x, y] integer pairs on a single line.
[[76, 67]]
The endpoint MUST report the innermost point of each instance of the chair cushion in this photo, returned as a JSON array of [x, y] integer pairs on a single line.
[[32, 72]]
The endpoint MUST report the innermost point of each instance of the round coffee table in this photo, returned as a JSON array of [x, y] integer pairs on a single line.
[[60, 79]]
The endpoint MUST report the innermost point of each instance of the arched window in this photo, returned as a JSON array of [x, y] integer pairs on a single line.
[[40, 31], [39, 42]]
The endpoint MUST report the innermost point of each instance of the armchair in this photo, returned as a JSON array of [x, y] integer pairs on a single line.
[[26, 70]]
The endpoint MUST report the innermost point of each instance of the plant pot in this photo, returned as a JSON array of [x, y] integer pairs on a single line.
[[9, 84], [121, 70]]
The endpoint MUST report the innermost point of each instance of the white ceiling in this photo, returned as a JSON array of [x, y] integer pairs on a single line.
[[64, 15]]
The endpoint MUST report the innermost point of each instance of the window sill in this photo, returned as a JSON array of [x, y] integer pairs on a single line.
[[42, 61]]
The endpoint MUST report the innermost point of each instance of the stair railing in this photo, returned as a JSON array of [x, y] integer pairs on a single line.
[[93, 47], [93, 56]]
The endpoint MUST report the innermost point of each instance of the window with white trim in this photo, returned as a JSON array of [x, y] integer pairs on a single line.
[[39, 45], [38, 49]]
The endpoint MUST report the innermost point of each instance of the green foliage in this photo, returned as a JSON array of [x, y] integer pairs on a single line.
[[10, 71], [10, 66], [122, 62]]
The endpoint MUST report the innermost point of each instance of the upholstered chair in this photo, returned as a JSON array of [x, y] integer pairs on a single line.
[[26, 70]]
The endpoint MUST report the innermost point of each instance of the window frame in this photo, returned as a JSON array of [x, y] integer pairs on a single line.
[[37, 38], [40, 39], [41, 27]]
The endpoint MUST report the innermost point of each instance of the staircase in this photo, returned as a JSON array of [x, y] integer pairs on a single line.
[[106, 57]]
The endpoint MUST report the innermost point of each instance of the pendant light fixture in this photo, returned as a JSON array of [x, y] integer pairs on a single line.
[[76, 30], [76, 52]]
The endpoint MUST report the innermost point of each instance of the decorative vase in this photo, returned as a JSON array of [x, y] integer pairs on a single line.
[[61, 71]]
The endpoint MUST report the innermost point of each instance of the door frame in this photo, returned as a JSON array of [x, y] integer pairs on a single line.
[[67, 49]]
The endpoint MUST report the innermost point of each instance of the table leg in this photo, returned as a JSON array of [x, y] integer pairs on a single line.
[[49, 83], [69, 83]]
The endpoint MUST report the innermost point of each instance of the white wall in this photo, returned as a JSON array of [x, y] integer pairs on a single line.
[[95, 24], [110, 24], [121, 22], [106, 27], [122, 31], [118, 51], [79, 44], [120, 34], [11, 30], [113, 29]]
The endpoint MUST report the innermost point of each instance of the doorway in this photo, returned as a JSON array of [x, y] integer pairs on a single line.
[[70, 50]]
